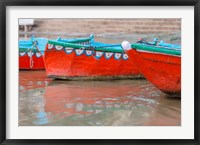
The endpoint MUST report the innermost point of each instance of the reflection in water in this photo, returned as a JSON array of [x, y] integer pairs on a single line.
[[93, 103]]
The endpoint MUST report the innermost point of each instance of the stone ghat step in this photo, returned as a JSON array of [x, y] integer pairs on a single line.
[[108, 25]]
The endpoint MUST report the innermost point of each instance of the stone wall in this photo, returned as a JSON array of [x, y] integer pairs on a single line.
[[108, 26]]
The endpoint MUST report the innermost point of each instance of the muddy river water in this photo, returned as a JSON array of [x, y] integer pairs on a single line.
[[48, 102]]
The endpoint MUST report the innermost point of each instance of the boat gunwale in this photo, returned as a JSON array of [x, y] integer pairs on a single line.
[[108, 48], [33, 49], [157, 49]]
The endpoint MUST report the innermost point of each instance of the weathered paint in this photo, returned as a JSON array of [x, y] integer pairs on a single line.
[[162, 70], [31, 50], [73, 62], [31, 53], [31, 60]]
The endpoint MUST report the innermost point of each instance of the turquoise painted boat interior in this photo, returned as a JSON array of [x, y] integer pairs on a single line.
[[29, 44], [73, 40], [87, 43], [107, 47], [161, 44], [156, 49]]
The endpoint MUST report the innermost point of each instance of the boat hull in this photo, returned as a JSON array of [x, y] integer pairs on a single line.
[[31, 61], [162, 70], [76, 64]]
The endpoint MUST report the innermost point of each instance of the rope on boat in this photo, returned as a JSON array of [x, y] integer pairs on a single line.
[[31, 56], [35, 45], [31, 59]]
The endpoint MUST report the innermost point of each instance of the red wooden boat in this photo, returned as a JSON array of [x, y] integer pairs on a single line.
[[31, 60], [160, 65], [87, 59], [31, 54]]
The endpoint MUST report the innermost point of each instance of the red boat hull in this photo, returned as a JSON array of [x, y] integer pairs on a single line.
[[30, 61], [81, 64], [164, 71]]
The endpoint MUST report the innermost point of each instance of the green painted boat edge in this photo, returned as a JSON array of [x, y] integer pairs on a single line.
[[109, 49], [21, 49], [67, 44], [76, 40], [156, 49], [78, 46]]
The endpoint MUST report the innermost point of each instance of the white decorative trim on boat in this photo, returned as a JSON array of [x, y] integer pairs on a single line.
[[50, 46], [125, 56], [79, 51], [30, 53], [58, 47], [68, 50], [22, 53], [88, 52], [108, 55], [38, 54], [117, 55], [99, 54]]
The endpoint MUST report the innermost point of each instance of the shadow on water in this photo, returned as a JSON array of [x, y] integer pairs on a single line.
[[45, 101]]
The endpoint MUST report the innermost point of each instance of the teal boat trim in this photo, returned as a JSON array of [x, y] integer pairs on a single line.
[[109, 49], [75, 40], [100, 47], [156, 49], [32, 43], [25, 49], [160, 44], [68, 44]]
